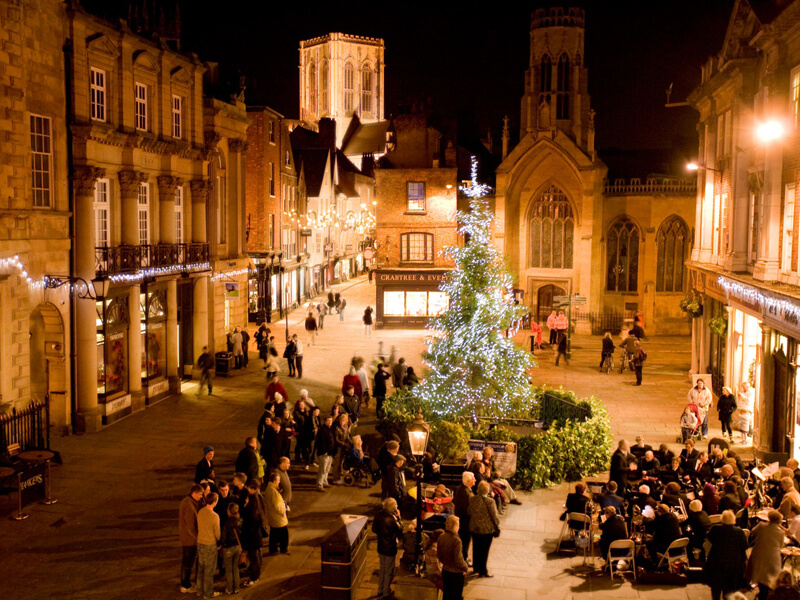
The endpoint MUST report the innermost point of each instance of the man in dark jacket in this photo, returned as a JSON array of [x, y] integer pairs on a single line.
[[393, 483], [352, 403], [611, 498], [666, 530], [399, 374], [388, 527], [613, 529], [206, 365], [187, 530], [698, 524], [461, 509], [386, 454], [205, 468], [325, 448], [379, 388], [247, 461], [620, 466], [289, 353]]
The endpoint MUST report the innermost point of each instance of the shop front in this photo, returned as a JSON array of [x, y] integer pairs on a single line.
[[113, 322], [408, 298], [153, 312]]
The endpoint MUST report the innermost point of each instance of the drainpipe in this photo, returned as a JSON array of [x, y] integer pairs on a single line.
[[69, 119]]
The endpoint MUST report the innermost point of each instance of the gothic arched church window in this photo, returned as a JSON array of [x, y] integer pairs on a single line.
[[622, 256], [671, 244], [349, 85], [552, 230], [562, 88]]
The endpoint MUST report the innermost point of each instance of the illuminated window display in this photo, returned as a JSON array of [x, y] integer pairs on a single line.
[[408, 297], [153, 306], [112, 347], [414, 304]]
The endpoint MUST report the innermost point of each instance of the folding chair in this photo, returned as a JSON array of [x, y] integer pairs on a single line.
[[742, 517], [715, 519], [575, 522], [630, 555], [676, 550]]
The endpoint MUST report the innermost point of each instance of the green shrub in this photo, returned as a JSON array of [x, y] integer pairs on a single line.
[[449, 440]]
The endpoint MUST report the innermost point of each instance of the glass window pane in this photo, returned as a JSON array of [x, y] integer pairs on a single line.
[[568, 236], [416, 304], [633, 264], [115, 361], [437, 303], [394, 304], [547, 243], [669, 266], [536, 242], [661, 244], [611, 258], [558, 240]]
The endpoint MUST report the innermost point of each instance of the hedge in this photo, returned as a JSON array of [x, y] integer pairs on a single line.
[[567, 451]]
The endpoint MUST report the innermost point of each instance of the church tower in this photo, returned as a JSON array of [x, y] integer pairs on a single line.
[[556, 87], [341, 76]]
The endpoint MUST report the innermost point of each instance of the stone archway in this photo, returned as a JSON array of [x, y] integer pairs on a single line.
[[48, 370], [544, 300]]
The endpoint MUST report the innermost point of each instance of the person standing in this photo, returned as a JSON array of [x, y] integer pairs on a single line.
[[388, 527], [298, 356], [551, 326], [262, 343], [747, 401], [701, 396], [399, 373], [204, 471], [639, 356], [342, 303], [289, 354], [562, 348], [536, 334], [726, 405], [562, 324], [322, 310], [246, 461], [621, 463], [245, 348], [236, 339], [325, 449], [363, 378], [727, 557], [187, 531], [302, 419], [367, 318], [253, 520], [276, 517], [231, 548], [284, 484], [206, 365], [341, 436], [483, 524], [208, 537], [311, 327], [461, 499], [379, 388], [451, 556]]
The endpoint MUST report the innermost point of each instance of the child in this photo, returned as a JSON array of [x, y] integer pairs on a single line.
[[688, 424]]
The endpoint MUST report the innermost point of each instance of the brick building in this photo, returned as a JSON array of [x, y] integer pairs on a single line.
[[416, 192], [744, 264]]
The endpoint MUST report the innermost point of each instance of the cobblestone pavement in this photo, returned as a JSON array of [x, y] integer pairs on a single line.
[[113, 532]]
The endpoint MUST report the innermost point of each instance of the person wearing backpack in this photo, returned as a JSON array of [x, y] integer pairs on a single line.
[[639, 356]]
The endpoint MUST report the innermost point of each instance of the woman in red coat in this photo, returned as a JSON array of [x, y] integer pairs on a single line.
[[354, 380]]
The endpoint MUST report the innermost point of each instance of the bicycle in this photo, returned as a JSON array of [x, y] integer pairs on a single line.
[[625, 361], [608, 365]]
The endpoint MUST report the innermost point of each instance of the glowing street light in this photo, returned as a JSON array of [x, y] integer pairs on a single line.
[[770, 131]]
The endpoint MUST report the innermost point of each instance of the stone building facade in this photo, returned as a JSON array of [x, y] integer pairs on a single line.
[[744, 264], [35, 205], [564, 227]]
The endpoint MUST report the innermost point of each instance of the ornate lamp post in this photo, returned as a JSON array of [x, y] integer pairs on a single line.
[[418, 433]]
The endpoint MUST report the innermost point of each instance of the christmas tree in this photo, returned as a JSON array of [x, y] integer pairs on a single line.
[[475, 369]]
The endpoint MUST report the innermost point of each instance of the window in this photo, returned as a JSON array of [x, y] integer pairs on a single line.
[[177, 109], [101, 212], [562, 89], [724, 135], [140, 106], [416, 247], [97, 93], [179, 214], [288, 159], [546, 74], [271, 233], [222, 211], [796, 96], [312, 89], [366, 90], [349, 83], [414, 304], [272, 179], [551, 228], [671, 249], [622, 255], [272, 132], [144, 214], [323, 84], [787, 262], [416, 196], [41, 161]]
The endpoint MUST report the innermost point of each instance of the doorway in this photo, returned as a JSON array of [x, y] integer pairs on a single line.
[[544, 300], [48, 371]]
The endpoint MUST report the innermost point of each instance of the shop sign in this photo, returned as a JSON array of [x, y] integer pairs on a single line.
[[369, 253], [231, 289], [505, 455], [117, 404], [409, 277], [31, 484], [306, 232], [782, 316], [154, 389]]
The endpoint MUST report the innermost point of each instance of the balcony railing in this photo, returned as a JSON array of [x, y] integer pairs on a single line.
[[113, 260]]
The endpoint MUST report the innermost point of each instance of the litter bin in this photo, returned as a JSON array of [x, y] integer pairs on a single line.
[[224, 363], [344, 557]]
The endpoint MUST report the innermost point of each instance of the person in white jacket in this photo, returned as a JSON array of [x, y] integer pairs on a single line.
[[701, 396]]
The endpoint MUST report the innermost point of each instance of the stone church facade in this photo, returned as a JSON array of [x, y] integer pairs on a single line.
[[566, 229]]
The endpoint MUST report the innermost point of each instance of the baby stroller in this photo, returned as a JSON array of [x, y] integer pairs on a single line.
[[360, 471], [696, 431]]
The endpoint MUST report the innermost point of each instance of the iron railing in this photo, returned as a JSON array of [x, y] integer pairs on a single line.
[[550, 409], [125, 258], [27, 427]]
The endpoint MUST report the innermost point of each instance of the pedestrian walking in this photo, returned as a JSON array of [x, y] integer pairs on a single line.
[[245, 348], [311, 327], [639, 356], [298, 356], [187, 532], [551, 326], [379, 387], [208, 537], [363, 377], [701, 396], [399, 373], [236, 339], [726, 405], [367, 318], [342, 304], [206, 365], [325, 449], [262, 343], [450, 554], [562, 348], [289, 354], [276, 517], [272, 367], [231, 548], [484, 524], [322, 309], [389, 529]]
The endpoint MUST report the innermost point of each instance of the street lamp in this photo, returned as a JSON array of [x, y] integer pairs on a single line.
[[693, 166], [769, 131], [418, 433]]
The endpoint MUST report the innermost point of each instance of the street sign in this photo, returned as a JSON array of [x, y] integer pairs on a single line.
[[561, 299], [369, 253], [579, 299]]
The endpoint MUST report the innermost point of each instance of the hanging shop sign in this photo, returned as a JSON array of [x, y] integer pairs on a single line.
[[231, 289]]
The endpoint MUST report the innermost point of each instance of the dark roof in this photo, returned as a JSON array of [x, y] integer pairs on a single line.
[[346, 176], [367, 138], [313, 162], [768, 10]]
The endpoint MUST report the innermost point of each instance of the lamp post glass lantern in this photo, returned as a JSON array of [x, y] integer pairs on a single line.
[[418, 433]]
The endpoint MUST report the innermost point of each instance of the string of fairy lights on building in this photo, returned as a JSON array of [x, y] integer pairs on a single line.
[[753, 295]]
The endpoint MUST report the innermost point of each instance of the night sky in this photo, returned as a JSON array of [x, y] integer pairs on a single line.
[[469, 57]]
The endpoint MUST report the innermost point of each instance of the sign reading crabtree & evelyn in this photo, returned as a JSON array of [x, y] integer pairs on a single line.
[[409, 277]]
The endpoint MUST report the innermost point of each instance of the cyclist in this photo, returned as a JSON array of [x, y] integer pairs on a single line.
[[628, 348], [608, 351]]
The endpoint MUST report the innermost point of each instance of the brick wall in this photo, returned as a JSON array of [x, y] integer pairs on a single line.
[[260, 203]]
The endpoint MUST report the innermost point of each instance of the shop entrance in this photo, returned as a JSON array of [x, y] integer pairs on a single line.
[[780, 439], [544, 300]]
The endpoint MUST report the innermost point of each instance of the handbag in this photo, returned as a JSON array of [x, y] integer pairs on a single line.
[[496, 532], [242, 555]]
